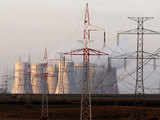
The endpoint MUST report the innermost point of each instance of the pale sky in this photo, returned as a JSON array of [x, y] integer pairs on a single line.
[[28, 26]]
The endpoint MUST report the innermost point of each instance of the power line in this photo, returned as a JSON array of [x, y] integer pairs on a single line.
[[139, 31]]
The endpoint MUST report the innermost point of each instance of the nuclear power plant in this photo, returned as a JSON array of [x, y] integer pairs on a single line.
[[22, 83], [38, 81], [66, 89], [63, 78], [52, 79]]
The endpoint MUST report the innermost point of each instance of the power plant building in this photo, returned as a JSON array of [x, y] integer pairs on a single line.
[[38, 78], [78, 73], [52, 79], [22, 83], [66, 78], [106, 81], [103, 80], [66, 81]]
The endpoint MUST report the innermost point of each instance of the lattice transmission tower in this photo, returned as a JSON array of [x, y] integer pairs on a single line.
[[86, 52], [140, 31], [44, 110]]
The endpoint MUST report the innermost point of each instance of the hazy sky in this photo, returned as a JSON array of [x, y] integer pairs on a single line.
[[28, 26]]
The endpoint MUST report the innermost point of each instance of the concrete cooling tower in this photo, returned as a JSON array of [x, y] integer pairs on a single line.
[[22, 83], [106, 81], [103, 79], [27, 78], [111, 82], [52, 78], [78, 73], [66, 79], [39, 81]]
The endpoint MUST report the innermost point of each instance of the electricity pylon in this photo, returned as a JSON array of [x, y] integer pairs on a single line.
[[44, 112], [139, 31], [86, 52]]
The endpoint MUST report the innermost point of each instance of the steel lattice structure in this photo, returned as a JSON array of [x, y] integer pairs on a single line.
[[139, 31], [44, 112], [86, 52]]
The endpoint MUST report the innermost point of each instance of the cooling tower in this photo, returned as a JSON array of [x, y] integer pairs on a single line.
[[92, 77], [61, 69], [69, 79], [27, 78], [110, 82], [35, 78], [106, 81], [22, 83], [52, 78], [38, 78], [103, 80], [78, 73], [66, 83]]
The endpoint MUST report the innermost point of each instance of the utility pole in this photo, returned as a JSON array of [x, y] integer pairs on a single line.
[[140, 31], [86, 52]]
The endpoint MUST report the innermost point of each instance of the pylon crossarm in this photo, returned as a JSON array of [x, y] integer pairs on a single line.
[[73, 51], [90, 52], [152, 54], [148, 31], [147, 55], [136, 19], [134, 31], [95, 28], [98, 52], [131, 31]]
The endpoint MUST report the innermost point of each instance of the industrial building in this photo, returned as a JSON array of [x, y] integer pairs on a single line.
[[52, 79], [107, 81], [103, 79], [22, 83], [66, 78], [79, 76], [38, 80], [66, 81]]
